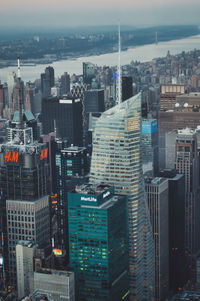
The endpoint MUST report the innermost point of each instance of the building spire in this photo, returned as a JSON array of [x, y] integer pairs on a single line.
[[119, 73], [19, 93]]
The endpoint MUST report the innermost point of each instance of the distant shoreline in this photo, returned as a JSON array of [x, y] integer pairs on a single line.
[[45, 61]]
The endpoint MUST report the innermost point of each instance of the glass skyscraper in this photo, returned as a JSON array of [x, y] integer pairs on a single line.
[[116, 160]]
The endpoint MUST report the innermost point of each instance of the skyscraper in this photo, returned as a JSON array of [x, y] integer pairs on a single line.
[[116, 160], [24, 183], [65, 83], [98, 243], [71, 168], [88, 72], [157, 195], [67, 113], [93, 102], [149, 146], [187, 163]]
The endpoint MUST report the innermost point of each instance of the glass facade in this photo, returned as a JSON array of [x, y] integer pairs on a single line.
[[149, 146], [97, 243], [116, 160]]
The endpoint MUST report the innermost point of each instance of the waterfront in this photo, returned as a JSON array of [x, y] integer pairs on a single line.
[[141, 53]]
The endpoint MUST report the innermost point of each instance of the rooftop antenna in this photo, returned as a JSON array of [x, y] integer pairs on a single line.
[[119, 73], [20, 93]]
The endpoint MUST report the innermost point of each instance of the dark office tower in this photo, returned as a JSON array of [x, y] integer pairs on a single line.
[[49, 76], [88, 72], [186, 113], [149, 146], [187, 163], [178, 271], [93, 102], [1, 100], [116, 160], [157, 195], [67, 113], [98, 243], [65, 83], [24, 183], [127, 87], [71, 169], [42, 79]]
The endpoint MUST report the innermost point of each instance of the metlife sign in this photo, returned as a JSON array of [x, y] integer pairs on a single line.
[[88, 199]]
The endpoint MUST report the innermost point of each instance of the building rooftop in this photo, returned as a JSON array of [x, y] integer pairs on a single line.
[[27, 243], [155, 181], [91, 189], [73, 149]]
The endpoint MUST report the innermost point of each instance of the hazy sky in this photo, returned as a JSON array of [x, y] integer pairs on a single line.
[[99, 12]]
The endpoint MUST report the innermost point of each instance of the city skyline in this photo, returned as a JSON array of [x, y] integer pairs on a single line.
[[76, 13]]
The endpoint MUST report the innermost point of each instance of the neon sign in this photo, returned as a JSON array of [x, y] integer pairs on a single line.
[[44, 154], [11, 157]]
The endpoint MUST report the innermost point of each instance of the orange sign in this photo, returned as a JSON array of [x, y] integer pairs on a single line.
[[57, 252], [44, 154], [11, 157]]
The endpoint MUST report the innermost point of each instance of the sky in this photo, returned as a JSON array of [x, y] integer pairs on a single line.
[[49, 13]]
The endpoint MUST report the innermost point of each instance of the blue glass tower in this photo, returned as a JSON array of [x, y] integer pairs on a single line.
[[98, 245]]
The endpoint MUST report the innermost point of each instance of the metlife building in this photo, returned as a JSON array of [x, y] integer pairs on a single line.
[[98, 247]]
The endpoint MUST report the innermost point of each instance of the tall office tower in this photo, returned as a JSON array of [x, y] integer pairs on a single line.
[[1, 100], [67, 113], [29, 98], [187, 163], [65, 83], [93, 102], [47, 81], [71, 169], [178, 270], [23, 180], [26, 220], [198, 274], [98, 243], [149, 143], [186, 113], [116, 160], [127, 87], [11, 84], [157, 195], [25, 252], [88, 72]]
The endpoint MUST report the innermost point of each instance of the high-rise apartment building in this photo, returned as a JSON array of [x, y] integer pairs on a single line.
[[98, 243], [116, 160], [157, 195], [66, 114]]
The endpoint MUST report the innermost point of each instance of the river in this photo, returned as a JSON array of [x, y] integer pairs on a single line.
[[141, 53]]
